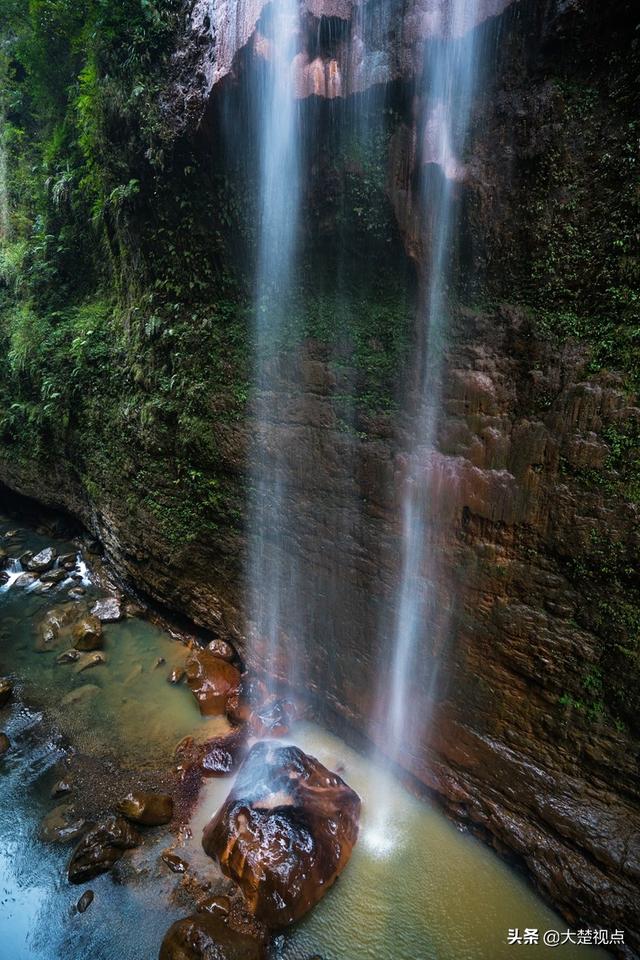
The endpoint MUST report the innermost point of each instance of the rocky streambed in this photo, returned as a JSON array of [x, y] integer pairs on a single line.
[[158, 802]]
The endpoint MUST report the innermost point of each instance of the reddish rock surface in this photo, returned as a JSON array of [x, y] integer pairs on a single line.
[[285, 832], [212, 681]]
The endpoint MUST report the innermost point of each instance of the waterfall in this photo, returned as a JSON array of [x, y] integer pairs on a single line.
[[421, 615], [271, 572]]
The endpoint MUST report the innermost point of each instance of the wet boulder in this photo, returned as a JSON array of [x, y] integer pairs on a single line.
[[51, 625], [42, 561], [285, 832], [220, 648], [207, 936], [87, 633], [62, 824], [26, 579], [212, 681], [6, 690], [107, 610], [101, 848], [222, 755], [53, 576], [147, 809]]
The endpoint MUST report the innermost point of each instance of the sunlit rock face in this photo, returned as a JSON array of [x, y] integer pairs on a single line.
[[285, 833]]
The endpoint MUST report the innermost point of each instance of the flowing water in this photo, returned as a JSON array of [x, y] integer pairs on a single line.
[[431, 892], [422, 618], [272, 573]]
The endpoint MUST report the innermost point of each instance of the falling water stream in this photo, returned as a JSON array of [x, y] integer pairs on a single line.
[[421, 620]]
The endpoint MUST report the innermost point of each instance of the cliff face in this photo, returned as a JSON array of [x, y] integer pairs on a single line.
[[532, 734]]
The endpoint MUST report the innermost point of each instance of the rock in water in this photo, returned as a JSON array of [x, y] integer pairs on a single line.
[[6, 690], [85, 901], [220, 648], [147, 809], [212, 682], [87, 634], [89, 660], [100, 848], [208, 937], [285, 832], [107, 610], [43, 560], [5, 744]]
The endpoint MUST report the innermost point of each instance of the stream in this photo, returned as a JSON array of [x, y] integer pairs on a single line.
[[420, 890]]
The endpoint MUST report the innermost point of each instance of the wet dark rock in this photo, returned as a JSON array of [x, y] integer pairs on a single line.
[[212, 681], [67, 562], [87, 634], [101, 847], [221, 755], [42, 561], [6, 690], [76, 593], [68, 656], [108, 610], [25, 558], [285, 832], [207, 936], [61, 788], [85, 901], [62, 824], [54, 576], [159, 662], [147, 809], [5, 744], [4, 577], [220, 648], [177, 676], [176, 864]]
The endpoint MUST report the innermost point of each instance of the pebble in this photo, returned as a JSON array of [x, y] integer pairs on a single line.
[[85, 901]]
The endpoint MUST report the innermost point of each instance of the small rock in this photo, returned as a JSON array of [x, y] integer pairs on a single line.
[[87, 634], [53, 576], [177, 675], [159, 662], [207, 936], [89, 660], [5, 743], [60, 788], [42, 561], [25, 580], [175, 864], [220, 648], [107, 610], [100, 848], [80, 695], [68, 562], [147, 809], [76, 593], [85, 901], [6, 690], [69, 656], [4, 577], [62, 824], [219, 904], [25, 558]]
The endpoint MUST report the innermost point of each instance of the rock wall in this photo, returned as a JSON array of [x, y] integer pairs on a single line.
[[530, 734]]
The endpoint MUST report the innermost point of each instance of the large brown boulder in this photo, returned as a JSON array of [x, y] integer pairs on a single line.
[[207, 936], [212, 680], [100, 848], [285, 832]]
